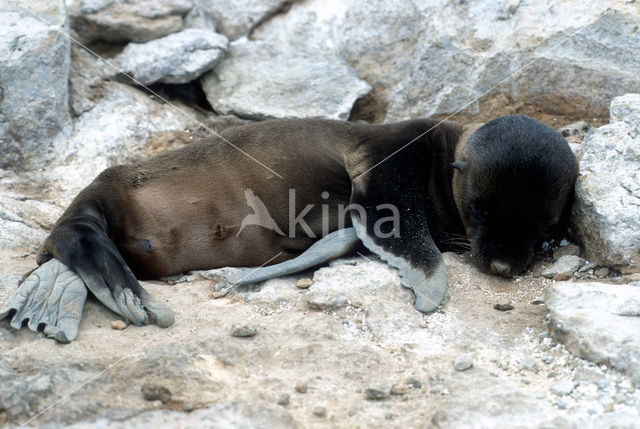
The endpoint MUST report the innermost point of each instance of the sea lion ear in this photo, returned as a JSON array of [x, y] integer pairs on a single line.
[[459, 165]]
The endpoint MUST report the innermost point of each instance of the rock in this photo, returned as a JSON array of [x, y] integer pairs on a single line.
[[399, 389], [503, 306], [119, 21], [239, 18], [602, 272], [154, 392], [304, 283], [177, 58], [24, 221], [606, 214], [570, 249], [283, 399], [566, 265], [258, 82], [599, 322], [563, 388], [118, 325], [529, 364], [477, 46], [537, 300], [243, 331], [377, 389], [577, 129], [319, 411], [86, 80], [301, 387], [463, 362], [34, 91], [326, 299]]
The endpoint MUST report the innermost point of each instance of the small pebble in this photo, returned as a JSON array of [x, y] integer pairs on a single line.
[[503, 306], [609, 407], [563, 242], [118, 324], [243, 331], [463, 362], [537, 300], [587, 267], [525, 381], [601, 272], [188, 407], [301, 387], [304, 283], [603, 383], [563, 388], [399, 389], [154, 392], [551, 374], [435, 390], [417, 384], [377, 389], [529, 364], [283, 399], [562, 405], [547, 359], [320, 411]]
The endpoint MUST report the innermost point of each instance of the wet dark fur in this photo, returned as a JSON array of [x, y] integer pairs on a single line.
[[518, 185]]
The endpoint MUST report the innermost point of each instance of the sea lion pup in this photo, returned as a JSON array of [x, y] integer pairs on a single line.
[[209, 205]]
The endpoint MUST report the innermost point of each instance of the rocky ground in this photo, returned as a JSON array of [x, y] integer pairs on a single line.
[[340, 346]]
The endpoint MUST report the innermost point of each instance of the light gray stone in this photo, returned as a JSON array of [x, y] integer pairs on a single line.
[[566, 265], [23, 221], [258, 82], [238, 18], [123, 21], [34, 90], [570, 249], [377, 389], [86, 80], [606, 213], [177, 58], [563, 388], [435, 57], [599, 322], [463, 362]]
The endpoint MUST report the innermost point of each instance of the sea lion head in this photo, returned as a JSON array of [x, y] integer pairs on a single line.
[[514, 182]]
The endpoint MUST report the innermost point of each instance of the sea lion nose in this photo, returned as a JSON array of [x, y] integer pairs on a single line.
[[500, 267]]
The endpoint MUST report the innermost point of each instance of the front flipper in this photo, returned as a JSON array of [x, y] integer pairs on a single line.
[[397, 186], [88, 251], [334, 245], [52, 296]]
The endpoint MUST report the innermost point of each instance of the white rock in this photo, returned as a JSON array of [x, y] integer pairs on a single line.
[[258, 82], [239, 17], [599, 322], [430, 57], [176, 58], [563, 388], [123, 21], [606, 213], [463, 362], [34, 75], [565, 265]]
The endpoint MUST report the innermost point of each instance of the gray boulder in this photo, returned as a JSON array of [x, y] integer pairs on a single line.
[[123, 21], [606, 213], [34, 74], [258, 82], [599, 322], [435, 57], [176, 58], [237, 18]]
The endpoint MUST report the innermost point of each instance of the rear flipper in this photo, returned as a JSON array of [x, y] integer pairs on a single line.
[[332, 246], [52, 297]]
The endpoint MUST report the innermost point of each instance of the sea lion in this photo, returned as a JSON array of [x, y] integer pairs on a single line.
[[407, 191]]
